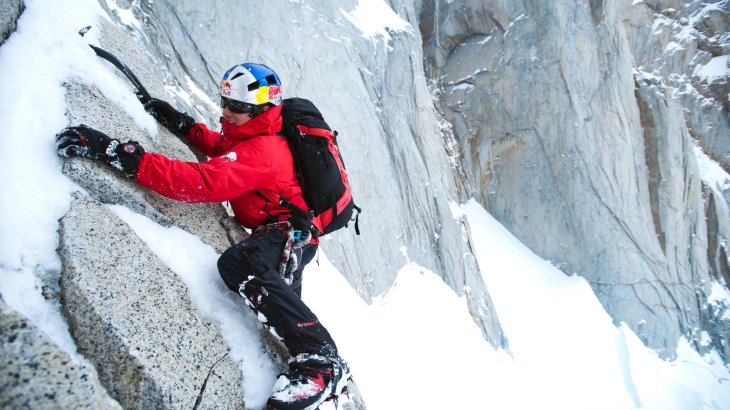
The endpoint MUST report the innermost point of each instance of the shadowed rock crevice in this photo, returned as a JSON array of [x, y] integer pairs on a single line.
[[199, 400], [648, 128], [716, 240], [597, 11]]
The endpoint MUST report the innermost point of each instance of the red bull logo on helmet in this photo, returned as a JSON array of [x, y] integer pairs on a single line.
[[225, 88], [268, 94], [275, 95]]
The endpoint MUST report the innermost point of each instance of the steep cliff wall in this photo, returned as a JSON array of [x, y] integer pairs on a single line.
[[578, 122]]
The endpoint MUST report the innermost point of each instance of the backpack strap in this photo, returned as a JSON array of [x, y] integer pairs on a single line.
[[357, 218], [300, 219]]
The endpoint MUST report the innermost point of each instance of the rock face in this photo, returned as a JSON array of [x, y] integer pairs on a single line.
[[36, 374], [10, 10], [132, 317], [578, 126], [686, 45]]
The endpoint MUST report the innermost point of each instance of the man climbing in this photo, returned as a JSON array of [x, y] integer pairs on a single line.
[[248, 164]]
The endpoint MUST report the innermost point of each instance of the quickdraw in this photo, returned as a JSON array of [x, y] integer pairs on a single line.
[[292, 253]]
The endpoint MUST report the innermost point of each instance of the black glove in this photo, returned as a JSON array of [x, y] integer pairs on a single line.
[[177, 122], [84, 141], [128, 158]]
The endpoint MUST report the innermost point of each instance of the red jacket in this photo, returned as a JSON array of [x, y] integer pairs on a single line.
[[245, 161]]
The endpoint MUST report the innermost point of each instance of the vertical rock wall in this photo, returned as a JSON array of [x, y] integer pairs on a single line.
[[584, 155]]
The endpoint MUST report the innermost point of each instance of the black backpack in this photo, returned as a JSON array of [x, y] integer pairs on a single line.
[[320, 169]]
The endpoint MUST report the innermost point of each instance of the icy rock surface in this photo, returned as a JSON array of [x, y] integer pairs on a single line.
[[578, 124]]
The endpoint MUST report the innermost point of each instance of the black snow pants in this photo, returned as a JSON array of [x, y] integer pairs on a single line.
[[251, 269]]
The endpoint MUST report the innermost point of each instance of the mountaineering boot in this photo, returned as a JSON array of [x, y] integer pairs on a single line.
[[312, 379]]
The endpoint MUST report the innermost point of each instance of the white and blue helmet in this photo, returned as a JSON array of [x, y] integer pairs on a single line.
[[251, 83]]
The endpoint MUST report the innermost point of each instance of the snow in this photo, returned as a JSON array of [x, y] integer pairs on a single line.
[[374, 18], [45, 51], [673, 46], [720, 298], [715, 69], [126, 16], [414, 347], [466, 87], [34, 62], [711, 173]]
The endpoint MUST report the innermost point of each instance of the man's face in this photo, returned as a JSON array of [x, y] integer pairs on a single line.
[[235, 118]]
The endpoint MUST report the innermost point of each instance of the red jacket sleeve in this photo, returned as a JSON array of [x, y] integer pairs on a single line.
[[220, 179], [210, 142]]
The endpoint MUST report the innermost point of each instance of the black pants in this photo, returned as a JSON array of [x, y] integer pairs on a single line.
[[251, 269]]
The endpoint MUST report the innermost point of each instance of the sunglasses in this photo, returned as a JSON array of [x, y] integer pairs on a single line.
[[237, 107]]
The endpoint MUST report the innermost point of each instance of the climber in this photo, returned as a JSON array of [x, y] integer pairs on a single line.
[[247, 158]]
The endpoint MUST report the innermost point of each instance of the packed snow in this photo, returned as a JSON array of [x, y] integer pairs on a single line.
[[711, 173], [717, 68], [375, 19], [414, 347]]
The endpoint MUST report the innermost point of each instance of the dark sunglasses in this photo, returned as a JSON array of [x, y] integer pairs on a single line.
[[237, 107]]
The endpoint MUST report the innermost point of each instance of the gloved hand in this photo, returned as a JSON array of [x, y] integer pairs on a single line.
[[87, 142], [82, 141], [178, 123]]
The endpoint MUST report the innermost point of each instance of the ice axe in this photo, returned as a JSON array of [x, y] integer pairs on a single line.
[[142, 95]]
